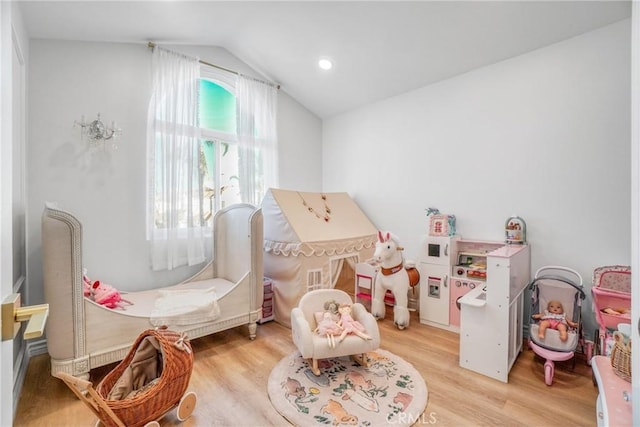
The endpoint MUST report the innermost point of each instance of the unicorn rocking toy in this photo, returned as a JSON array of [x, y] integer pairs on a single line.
[[392, 275]]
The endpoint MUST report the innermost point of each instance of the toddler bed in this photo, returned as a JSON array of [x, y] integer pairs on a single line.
[[82, 335]]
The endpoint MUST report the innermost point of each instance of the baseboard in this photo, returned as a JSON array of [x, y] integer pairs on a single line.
[[37, 347], [19, 373]]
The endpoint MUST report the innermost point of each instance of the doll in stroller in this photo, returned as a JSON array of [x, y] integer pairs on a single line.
[[556, 303], [554, 317]]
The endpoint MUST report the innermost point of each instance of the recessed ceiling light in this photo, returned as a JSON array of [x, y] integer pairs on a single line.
[[325, 63]]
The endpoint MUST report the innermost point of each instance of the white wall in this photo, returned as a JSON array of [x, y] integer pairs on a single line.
[[545, 135], [106, 189], [300, 145]]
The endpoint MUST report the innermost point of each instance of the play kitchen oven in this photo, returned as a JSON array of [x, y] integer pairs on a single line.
[[471, 266], [469, 272]]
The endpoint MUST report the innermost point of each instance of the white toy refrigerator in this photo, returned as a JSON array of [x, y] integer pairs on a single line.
[[435, 259]]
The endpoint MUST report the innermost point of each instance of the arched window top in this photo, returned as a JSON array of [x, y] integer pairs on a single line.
[[217, 107]]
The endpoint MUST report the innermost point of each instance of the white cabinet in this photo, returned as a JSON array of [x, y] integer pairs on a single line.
[[491, 316]]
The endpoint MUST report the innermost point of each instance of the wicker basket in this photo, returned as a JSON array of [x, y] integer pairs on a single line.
[[621, 357], [159, 399]]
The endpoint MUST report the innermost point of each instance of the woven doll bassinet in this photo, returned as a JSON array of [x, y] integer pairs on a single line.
[[149, 382]]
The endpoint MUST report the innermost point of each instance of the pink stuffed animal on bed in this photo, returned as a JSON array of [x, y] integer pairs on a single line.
[[107, 295], [86, 286]]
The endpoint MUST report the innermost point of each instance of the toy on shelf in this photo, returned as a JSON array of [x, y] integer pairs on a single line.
[[441, 224], [515, 230]]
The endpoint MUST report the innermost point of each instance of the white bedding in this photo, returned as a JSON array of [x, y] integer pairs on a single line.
[[185, 307], [143, 302]]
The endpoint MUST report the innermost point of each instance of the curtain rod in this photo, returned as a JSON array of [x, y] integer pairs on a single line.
[[152, 45]]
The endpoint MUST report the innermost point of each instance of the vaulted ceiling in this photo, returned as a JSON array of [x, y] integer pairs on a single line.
[[379, 48]]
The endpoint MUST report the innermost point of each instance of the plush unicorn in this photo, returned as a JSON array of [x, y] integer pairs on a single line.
[[392, 275]]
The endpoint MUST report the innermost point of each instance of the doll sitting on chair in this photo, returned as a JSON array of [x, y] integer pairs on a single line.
[[329, 327], [554, 317], [349, 324]]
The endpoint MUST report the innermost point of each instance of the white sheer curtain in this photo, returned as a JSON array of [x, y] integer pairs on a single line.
[[175, 227], [256, 106]]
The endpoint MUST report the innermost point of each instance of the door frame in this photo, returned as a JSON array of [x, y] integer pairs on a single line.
[[6, 250], [12, 198], [635, 207]]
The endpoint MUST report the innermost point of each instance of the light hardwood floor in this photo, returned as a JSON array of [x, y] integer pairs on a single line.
[[231, 372]]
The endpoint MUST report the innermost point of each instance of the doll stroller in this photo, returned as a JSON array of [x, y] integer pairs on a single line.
[[562, 284], [148, 383], [611, 291]]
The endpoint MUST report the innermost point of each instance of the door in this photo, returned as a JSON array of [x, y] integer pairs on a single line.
[[12, 200]]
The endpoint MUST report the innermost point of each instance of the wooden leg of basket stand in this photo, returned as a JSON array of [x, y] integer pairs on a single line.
[[100, 401], [85, 392]]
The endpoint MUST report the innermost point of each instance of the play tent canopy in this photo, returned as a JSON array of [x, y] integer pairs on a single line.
[[307, 238]]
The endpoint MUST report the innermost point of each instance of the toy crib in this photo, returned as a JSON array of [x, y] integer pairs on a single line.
[[611, 290], [73, 343]]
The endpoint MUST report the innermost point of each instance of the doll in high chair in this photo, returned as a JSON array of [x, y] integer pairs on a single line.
[[554, 317]]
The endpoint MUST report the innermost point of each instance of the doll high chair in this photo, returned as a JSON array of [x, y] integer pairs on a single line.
[[313, 346]]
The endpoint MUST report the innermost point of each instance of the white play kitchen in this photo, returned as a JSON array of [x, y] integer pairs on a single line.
[[491, 317], [476, 288]]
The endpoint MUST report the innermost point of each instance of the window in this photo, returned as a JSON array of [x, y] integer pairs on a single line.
[[218, 181], [211, 142], [218, 148], [314, 279]]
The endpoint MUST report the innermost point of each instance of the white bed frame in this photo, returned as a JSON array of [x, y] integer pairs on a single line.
[[82, 335]]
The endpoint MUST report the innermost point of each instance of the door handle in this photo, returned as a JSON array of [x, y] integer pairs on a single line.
[[13, 314]]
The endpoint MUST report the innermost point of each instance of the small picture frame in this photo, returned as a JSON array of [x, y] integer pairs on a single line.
[[439, 225]]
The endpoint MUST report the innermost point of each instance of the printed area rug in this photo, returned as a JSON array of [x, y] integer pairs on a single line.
[[389, 392]]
